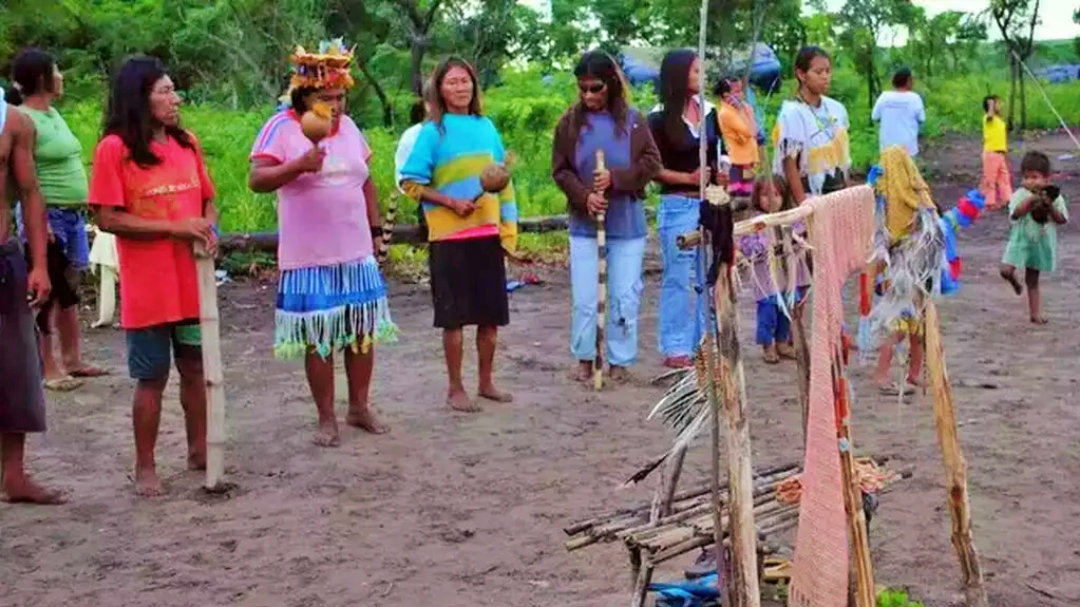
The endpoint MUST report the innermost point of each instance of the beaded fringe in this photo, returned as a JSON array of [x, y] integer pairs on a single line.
[[356, 322]]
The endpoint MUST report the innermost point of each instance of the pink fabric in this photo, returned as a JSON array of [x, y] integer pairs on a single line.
[[322, 217], [475, 232], [841, 234], [996, 183]]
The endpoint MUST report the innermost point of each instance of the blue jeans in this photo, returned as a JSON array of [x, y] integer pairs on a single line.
[[624, 260], [69, 227], [683, 304], [773, 326]]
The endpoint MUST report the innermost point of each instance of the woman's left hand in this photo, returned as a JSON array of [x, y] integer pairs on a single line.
[[601, 180]]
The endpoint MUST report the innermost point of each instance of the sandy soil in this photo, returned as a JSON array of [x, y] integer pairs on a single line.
[[458, 511]]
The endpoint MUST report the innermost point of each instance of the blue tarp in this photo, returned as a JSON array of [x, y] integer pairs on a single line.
[[764, 73], [1062, 73]]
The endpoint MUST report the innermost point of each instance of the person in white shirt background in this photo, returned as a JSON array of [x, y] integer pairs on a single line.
[[900, 112], [420, 112]]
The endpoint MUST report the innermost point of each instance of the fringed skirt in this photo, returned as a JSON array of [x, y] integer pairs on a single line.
[[328, 308]]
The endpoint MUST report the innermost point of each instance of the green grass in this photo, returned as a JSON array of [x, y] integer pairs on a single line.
[[526, 110]]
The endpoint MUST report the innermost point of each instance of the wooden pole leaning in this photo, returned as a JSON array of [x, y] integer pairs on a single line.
[[209, 326], [953, 458], [601, 298]]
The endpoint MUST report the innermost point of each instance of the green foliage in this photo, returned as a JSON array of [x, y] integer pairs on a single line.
[[891, 597]]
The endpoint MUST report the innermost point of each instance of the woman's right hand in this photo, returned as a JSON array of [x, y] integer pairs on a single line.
[[695, 177], [596, 203], [462, 207], [311, 162]]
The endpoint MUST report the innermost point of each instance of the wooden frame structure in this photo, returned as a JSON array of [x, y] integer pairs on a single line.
[[743, 590]]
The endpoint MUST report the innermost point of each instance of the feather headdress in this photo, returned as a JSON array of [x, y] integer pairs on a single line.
[[327, 68]]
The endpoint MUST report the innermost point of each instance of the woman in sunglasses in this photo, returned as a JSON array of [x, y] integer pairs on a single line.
[[602, 120]]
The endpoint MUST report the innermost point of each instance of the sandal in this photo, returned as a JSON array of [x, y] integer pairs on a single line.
[[63, 384], [88, 371], [894, 389]]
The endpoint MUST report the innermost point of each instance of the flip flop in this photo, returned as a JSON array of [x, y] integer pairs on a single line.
[[63, 384], [894, 388], [88, 371]]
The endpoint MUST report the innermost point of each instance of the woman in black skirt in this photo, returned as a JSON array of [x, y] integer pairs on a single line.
[[469, 229]]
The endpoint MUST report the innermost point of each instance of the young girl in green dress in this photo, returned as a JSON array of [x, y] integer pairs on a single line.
[[1035, 210]]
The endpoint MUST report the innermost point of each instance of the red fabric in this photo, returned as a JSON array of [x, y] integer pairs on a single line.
[[955, 267], [969, 210], [158, 281]]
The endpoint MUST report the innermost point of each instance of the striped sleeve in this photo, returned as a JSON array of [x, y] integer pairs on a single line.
[[419, 169], [270, 142], [508, 209]]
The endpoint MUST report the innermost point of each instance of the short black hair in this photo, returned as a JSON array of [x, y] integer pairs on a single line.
[[31, 73], [722, 87], [1036, 162], [902, 77]]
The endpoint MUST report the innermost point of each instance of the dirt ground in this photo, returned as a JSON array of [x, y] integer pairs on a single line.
[[457, 511]]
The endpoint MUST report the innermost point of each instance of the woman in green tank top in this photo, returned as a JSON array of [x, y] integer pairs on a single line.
[[37, 83]]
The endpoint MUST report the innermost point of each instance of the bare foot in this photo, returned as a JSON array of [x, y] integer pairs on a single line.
[[327, 435], [147, 483], [25, 491], [786, 351], [196, 461], [583, 372], [493, 393], [459, 401], [916, 381], [771, 357], [1010, 276], [1040, 320], [364, 418], [619, 374]]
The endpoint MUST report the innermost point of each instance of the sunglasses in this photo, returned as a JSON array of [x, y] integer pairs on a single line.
[[592, 88]]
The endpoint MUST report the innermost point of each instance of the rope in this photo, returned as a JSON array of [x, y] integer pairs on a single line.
[[1046, 98]]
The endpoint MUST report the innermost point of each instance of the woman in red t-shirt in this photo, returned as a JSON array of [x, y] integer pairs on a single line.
[[150, 188]]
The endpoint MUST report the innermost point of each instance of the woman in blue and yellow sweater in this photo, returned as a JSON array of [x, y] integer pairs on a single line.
[[468, 229]]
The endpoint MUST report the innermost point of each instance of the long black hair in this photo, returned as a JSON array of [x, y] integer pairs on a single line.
[[127, 114], [31, 73], [600, 65], [674, 81]]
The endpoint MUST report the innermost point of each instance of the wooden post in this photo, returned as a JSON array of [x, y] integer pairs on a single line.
[[953, 459], [212, 368], [745, 589]]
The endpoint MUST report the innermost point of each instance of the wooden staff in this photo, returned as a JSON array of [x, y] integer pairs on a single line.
[[953, 458], [212, 368], [388, 228], [601, 300]]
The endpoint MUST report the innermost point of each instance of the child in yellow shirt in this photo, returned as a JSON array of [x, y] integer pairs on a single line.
[[996, 183]]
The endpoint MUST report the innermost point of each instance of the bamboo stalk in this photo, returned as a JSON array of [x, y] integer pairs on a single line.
[[212, 367], [782, 218], [953, 460], [601, 300]]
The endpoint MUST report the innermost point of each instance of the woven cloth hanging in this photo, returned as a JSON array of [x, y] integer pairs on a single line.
[[841, 233]]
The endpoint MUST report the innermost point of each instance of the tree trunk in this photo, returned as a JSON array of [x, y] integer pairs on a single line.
[[387, 107], [1013, 68], [1023, 98]]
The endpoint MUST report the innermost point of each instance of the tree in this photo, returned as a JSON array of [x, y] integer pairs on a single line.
[[864, 22], [1016, 20]]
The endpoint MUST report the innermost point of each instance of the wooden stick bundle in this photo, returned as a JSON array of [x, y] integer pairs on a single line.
[[209, 322], [601, 299]]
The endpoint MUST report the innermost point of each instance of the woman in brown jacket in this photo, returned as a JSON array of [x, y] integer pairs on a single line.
[[603, 120]]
